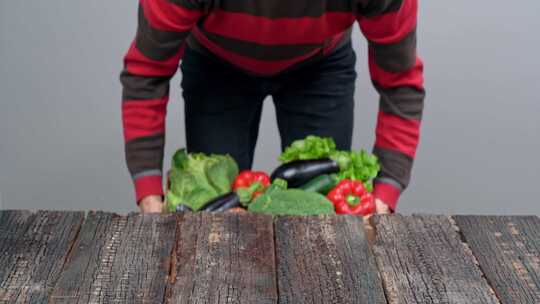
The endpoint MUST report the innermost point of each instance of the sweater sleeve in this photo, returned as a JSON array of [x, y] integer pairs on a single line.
[[397, 74], [150, 63]]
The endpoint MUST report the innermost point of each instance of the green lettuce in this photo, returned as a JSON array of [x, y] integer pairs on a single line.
[[198, 178], [312, 147], [357, 165]]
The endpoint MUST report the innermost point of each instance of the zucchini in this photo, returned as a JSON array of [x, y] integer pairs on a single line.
[[321, 184]]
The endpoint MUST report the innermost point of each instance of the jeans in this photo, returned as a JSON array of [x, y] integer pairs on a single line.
[[223, 103]]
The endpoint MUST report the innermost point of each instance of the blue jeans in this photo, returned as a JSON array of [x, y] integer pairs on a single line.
[[223, 103]]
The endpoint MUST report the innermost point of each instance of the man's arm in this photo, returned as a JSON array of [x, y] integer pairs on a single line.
[[397, 74], [150, 63]]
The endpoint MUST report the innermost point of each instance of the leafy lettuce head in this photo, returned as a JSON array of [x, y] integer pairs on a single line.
[[198, 178], [312, 147]]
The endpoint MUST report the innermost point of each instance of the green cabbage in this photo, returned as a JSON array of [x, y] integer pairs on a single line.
[[198, 178]]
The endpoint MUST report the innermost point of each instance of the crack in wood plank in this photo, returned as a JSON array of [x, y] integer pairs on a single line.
[[507, 249], [422, 259], [119, 259], [224, 258], [325, 259], [102, 277], [33, 248]]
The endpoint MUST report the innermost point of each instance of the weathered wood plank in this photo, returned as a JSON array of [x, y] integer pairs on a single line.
[[33, 249], [224, 258], [508, 251], [118, 259], [423, 260], [325, 259]]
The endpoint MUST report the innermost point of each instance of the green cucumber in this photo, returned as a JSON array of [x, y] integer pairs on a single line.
[[321, 184]]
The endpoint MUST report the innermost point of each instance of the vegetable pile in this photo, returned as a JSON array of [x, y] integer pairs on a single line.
[[314, 178]]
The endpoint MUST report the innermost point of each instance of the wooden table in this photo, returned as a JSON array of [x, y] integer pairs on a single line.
[[97, 257]]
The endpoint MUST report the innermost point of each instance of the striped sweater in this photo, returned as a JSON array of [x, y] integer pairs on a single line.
[[267, 37]]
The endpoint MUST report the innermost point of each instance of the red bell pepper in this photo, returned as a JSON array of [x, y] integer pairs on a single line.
[[351, 197], [247, 178]]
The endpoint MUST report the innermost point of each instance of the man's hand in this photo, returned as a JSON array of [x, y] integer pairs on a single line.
[[151, 204], [381, 208]]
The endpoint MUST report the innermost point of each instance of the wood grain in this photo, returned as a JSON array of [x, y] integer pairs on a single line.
[[224, 258], [508, 251], [325, 259], [33, 249], [118, 259], [423, 260], [63, 257]]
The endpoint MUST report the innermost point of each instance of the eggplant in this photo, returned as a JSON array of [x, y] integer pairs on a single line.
[[299, 172], [183, 208], [227, 199], [233, 203]]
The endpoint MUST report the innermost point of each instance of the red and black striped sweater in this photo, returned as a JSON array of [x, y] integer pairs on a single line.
[[267, 37]]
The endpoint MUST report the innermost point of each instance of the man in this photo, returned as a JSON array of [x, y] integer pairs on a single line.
[[236, 52]]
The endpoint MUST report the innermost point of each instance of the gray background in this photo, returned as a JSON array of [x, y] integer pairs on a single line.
[[61, 142]]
